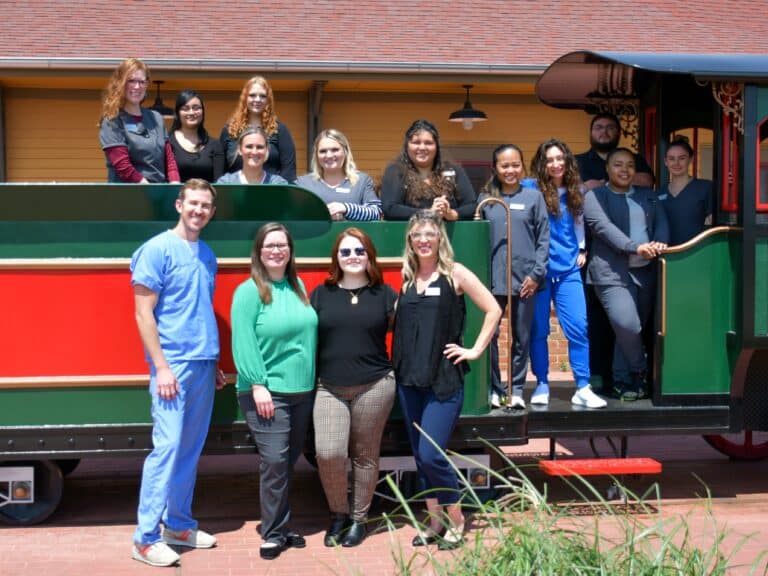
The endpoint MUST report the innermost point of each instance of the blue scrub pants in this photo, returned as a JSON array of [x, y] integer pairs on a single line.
[[567, 292], [437, 419], [179, 430]]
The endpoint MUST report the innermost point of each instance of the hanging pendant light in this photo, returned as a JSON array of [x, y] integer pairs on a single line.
[[467, 115], [158, 106]]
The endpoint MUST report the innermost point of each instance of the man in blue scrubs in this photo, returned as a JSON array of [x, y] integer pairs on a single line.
[[173, 277]]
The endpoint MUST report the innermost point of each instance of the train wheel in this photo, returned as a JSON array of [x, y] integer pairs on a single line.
[[748, 445], [49, 482], [68, 466]]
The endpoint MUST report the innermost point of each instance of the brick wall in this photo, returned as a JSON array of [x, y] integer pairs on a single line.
[[558, 345]]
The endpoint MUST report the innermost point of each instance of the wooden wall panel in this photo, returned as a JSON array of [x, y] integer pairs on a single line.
[[376, 124], [52, 136]]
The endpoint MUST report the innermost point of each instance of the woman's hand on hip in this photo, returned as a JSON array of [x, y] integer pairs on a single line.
[[263, 400], [458, 354]]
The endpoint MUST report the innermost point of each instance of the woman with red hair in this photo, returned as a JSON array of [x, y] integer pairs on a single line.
[[256, 109], [355, 382]]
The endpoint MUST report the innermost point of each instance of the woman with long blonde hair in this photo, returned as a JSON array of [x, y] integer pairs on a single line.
[[133, 138], [256, 109], [348, 193], [430, 361]]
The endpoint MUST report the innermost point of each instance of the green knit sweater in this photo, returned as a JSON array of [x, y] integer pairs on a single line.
[[273, 345]]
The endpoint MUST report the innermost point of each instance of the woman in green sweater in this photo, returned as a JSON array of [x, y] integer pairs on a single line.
[[274, 338]]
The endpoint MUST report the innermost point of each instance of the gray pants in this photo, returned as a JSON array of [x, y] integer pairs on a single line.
[[280, 441], [522, 320], [628, 308], [349, 422]]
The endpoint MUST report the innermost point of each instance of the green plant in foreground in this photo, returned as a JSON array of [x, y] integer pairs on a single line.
[[521, 533]]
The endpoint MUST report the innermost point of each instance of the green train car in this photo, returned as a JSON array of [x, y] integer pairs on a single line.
[[73, 382]]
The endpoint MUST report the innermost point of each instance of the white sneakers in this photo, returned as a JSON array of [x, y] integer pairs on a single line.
[[540, 395], [517, 402], [161, 554], [157, 554], [582, 397], [190, 538], [585, 397]]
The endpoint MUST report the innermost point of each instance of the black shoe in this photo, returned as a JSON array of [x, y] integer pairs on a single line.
[[354, 535], [452, 539], [639, 384], [426, 538], [624, 392], [271, 550], [293, 540], [338, 525]]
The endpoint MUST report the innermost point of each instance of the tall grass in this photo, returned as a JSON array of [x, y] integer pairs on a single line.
[[523, 533]]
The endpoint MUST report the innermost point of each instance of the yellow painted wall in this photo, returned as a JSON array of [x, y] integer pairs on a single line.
[[376, 125], [53, 135]]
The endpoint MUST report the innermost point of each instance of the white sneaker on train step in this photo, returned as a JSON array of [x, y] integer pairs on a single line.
[[585, 397], [541, 394], [189, 538], [157, 554], [517, 402]]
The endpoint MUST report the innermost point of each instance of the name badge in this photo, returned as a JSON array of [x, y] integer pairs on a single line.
[[662, 196], [516, 206], [343, 190], [432, 291]]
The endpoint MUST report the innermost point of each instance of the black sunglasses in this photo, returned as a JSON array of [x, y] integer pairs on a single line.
[[347, 252]]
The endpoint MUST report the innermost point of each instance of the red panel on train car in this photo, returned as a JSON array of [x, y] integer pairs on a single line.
[[81, 322]]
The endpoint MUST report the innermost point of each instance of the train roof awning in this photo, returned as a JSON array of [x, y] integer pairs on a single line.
[[579, 78]]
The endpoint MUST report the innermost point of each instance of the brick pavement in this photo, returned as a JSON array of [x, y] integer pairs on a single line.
[[91, 532]]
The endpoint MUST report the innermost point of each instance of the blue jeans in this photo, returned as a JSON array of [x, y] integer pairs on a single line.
[[179, 430], [437, 419], [567, 292]]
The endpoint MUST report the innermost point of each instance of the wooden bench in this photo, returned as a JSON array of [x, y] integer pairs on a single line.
[[600, 466]]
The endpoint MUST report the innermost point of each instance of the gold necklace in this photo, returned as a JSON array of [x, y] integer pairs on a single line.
[[355, 294]]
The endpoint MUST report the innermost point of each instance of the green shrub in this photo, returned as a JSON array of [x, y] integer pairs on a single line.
[[522, 533]]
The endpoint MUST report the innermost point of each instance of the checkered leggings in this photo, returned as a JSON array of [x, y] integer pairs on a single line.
[[349, 422]]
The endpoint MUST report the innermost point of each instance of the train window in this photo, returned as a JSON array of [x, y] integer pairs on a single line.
[[761, 242], [762, 168], [729, 184], [700, 140], [474, 159]]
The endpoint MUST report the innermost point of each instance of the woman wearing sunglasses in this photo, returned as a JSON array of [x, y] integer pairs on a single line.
[[355, 383], [133, 138]]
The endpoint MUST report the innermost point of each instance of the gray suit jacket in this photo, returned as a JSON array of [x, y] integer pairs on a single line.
[[607, 216]]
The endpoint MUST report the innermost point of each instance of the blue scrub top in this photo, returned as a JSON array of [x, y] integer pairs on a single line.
[[184, 281]]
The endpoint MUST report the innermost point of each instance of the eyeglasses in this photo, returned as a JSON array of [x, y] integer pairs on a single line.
[[425, 235], [190, 108], [281, 246], [347, 252], [136, 82]]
